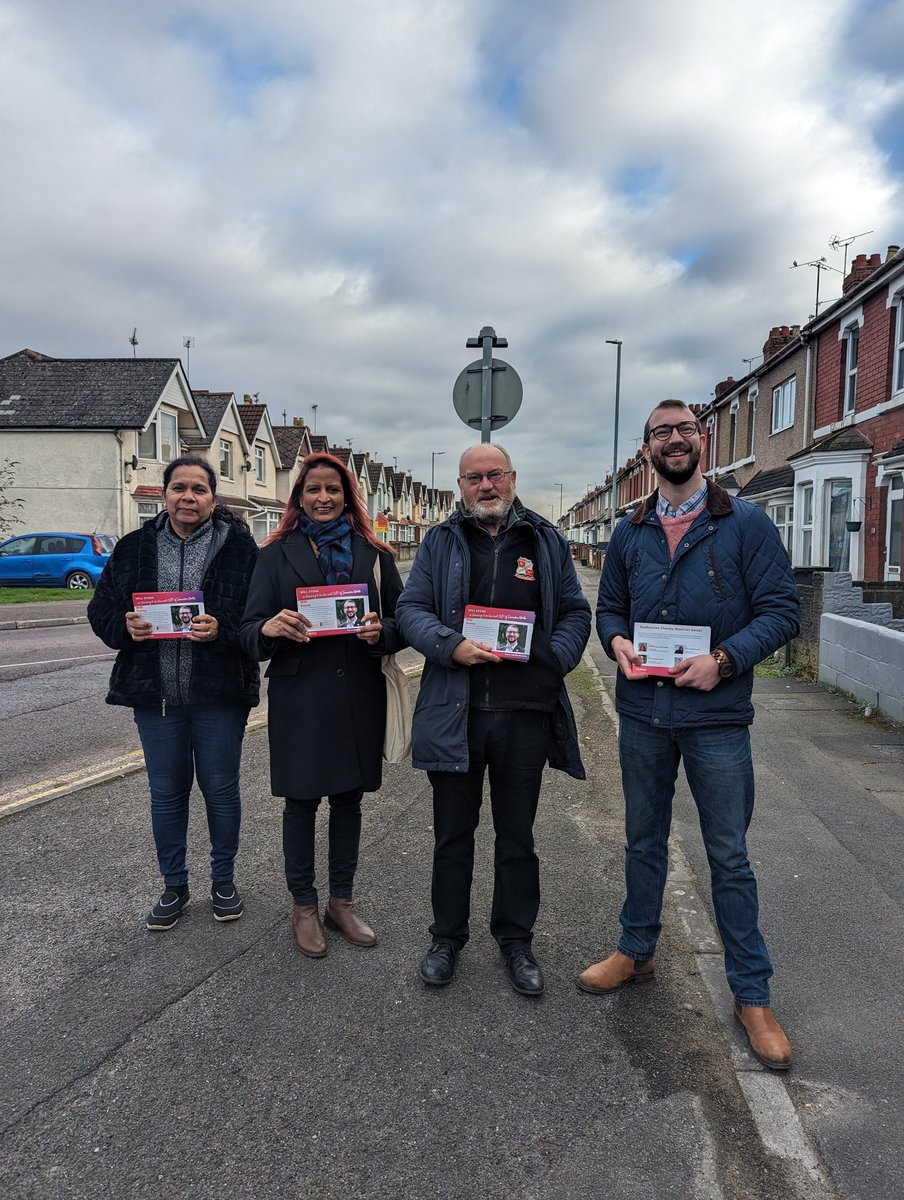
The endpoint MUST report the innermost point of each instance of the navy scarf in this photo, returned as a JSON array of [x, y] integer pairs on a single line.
[[334, 545]]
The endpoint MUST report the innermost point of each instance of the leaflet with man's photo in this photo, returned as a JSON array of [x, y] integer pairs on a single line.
[[505, 631], [334, 608], [661, 647], [170, 613]]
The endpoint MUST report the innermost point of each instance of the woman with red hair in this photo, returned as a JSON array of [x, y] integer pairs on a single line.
[[327, 695]]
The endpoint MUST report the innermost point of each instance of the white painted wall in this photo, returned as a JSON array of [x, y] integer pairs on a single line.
[[864, 659], [71, 481]]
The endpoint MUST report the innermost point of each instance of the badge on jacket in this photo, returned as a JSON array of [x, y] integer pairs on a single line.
[[524, 569]]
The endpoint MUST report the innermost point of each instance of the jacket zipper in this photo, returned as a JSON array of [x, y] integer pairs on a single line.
[[496, 545]]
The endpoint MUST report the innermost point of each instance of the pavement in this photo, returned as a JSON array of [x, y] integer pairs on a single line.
[[215, 1060], [43, 614]]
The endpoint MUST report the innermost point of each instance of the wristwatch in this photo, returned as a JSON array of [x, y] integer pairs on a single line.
[[726, 666]]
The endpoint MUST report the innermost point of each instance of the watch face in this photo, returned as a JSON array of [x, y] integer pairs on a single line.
[[725, 670]]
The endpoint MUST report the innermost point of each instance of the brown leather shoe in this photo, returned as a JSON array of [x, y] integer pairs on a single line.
[[766, 1037], [615, 972], [308, 929], [340, 913]]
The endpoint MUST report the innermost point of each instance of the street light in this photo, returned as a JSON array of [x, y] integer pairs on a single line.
[[434, 454], [617, 343], [561, 487]]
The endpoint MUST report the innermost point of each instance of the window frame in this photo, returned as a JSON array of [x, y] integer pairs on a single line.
[[784, 403], [144, 512], [851, 360], [226, 459], [806, 508], [785, 527], [165, 418], [260, 465]]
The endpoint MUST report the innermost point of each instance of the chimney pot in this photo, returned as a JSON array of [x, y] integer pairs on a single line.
[[891, 252]]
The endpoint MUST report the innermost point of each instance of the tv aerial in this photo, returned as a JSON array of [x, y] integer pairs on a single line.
[[836, 242], [133, 340]]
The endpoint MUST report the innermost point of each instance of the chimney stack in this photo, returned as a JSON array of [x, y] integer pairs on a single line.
[[861, 268], [725, 386], [779, 336]]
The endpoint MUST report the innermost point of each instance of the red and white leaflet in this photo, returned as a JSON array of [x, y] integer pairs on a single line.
[[334, 608], [661, 647], [170, 613], [505, 631]]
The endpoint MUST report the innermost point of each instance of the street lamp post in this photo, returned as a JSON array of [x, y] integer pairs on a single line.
[[561, 487], [434, 454], [618, 345]]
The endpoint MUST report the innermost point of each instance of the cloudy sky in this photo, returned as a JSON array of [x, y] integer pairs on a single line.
[[331, 198]]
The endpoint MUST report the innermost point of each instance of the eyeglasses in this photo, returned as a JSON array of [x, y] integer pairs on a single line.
[[472, 478], [687, 429]]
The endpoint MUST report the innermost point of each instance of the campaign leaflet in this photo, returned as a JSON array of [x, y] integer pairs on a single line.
[[169, 613], [505, 631], [334, 608], [660, 647]]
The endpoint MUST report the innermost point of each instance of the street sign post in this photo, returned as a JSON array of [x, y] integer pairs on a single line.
[[487, 393]]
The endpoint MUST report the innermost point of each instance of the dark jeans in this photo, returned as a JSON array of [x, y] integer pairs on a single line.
[[719, 770], [512, 746], [299, 819], [194, 739]]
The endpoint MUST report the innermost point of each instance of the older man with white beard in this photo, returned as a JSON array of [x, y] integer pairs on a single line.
[[477, 712], [691, 555]]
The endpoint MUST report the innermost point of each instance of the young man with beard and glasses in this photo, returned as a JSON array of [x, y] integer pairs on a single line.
[[693, 555], [477, 712]]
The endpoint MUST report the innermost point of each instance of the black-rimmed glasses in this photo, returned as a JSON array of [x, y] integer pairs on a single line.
[[687, 429]]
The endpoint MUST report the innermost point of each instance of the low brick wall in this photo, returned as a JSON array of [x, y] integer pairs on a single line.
[[864, 659]]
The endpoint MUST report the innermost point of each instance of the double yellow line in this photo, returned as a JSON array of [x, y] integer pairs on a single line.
[[50, 789]]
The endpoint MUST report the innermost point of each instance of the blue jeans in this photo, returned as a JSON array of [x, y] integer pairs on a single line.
[[202, 739], [719, 770]]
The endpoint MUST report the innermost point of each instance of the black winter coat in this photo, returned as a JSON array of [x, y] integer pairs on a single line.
[[327, 697], [222, 673]]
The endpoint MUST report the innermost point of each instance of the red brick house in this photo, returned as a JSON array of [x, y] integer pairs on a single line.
[[849, 478]]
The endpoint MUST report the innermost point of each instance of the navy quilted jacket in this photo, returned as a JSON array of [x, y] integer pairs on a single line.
[[430, 613], [730, 572]]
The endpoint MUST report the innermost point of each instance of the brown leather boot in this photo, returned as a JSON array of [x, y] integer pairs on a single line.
[[308, 929], [766, 1037], [340, 913], [613, 973]]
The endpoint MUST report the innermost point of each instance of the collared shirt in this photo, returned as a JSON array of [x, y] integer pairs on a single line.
[[691, 504]]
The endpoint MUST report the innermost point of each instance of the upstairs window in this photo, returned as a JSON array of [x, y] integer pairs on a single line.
[[851, 351], [225, 459], [168, 437], [260, 473], [160, 439], [898, 381], [783, 398]]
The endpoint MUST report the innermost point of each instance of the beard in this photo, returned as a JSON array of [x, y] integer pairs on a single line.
[[488, 514], [671, 471]]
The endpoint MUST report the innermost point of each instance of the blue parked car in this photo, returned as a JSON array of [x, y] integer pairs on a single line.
[[72, 560]]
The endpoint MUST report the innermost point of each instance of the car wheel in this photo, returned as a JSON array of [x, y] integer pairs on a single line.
[[78, 581]]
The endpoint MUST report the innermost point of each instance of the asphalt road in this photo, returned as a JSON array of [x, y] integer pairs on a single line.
[[216, 1060]]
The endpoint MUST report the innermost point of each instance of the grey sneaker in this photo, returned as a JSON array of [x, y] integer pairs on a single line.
[[227, 903], [168, 909]]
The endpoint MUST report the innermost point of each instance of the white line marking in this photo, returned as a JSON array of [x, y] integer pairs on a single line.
[[53, 661]]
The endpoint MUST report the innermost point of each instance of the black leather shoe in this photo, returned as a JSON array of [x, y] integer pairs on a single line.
[[438, 964], [525, 973]]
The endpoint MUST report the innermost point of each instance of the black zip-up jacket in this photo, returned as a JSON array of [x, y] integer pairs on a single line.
[[222, 673]]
